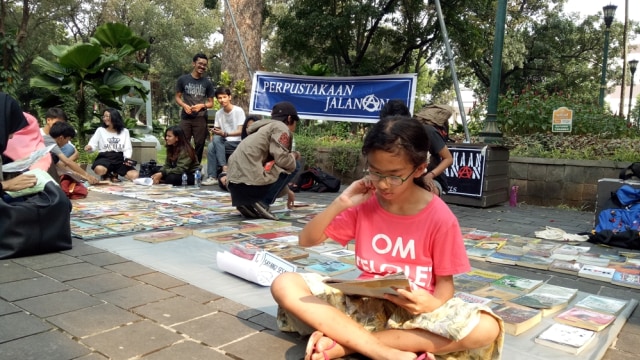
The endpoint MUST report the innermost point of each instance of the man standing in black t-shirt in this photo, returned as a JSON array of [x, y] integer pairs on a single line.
[[194, 94]]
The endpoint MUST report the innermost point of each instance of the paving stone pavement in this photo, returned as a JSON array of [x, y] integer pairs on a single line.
[[86, 303]]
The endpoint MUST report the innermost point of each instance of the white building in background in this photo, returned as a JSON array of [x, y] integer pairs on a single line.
[[468, 100], [613, 99]]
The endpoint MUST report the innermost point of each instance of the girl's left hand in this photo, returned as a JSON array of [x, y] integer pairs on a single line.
[[416, 301], [156, 178]]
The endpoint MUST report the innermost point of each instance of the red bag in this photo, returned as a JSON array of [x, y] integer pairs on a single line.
[[72, 188]]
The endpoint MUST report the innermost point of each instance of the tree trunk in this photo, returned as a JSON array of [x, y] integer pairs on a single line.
[[248, 29]]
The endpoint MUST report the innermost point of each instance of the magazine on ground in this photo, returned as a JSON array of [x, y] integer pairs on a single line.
[[566, 338], [375, 287]]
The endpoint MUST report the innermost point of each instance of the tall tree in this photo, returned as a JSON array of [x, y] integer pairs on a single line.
[[241, 55]]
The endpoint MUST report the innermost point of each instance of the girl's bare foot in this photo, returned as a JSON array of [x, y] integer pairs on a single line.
[[318, 346]]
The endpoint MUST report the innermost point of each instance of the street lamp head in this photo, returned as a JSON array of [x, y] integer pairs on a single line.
[[609, 13], [633, 65]]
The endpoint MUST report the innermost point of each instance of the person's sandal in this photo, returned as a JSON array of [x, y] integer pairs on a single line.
[[115, 179]]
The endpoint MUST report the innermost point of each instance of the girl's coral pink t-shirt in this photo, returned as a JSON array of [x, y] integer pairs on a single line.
[[422, 245]]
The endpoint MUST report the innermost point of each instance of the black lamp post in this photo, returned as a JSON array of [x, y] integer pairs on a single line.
[[633, 65], [609, 12]]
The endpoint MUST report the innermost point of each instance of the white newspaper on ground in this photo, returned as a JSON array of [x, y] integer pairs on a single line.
[[24, 163], [262, 270]]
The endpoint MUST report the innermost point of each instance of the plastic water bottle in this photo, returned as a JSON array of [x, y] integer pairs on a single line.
[[184, 179], [198, 177]]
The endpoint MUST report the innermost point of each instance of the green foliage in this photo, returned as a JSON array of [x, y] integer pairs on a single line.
[[100, 67], [344, 145], [345, 156], [531, 110], [11, 55], [577, 147]]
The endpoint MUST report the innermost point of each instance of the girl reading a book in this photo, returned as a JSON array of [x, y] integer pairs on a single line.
[[181, 158], [398, 226]]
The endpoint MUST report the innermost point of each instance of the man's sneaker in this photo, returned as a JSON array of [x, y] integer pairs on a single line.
[[263, 211], [210, 181], [247, 211]]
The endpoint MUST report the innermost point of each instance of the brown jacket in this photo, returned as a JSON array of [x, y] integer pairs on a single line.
[[250, 163]]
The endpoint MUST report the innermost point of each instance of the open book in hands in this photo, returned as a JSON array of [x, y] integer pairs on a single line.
[[375, 287]]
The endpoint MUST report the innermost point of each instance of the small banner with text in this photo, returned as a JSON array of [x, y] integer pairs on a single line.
[[353, 99]]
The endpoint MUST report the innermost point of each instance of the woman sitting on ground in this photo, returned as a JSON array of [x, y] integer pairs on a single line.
[[113, 143], [181, 158]]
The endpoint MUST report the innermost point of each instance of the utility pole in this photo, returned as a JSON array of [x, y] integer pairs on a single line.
[[623, 84]]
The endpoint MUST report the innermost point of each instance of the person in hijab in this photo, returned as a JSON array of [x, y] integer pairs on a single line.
[[11, 120]]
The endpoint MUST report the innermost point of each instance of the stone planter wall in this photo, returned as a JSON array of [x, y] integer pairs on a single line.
[[554, 182]]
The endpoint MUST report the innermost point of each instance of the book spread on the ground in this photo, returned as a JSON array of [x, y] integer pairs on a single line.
[[626, 279], [517, 284], [262, 269], [592, 259], [596, 272], [482, 275], [495, 294], [565, 267], [330, 267], [602, 304], [159, 236], [566, 338], [585, 319], [548, 298], [463, 284], [479, 254], [517, 319], [375, 287], [508, 255], [534, 261], [472, 299]]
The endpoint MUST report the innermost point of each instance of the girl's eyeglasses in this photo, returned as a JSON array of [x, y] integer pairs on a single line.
[[391, 180]]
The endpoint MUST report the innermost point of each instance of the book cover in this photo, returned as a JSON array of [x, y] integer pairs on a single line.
[[330, 267], [592, 259], [159, 236], [491, 244], [290, 253], [507, 255], [517, 319], [214, 231], [627, 267], [585, 319], [376, 287], [534, 261], [516, 283], [548, 298], [566, 338], [479, 254], [482, 275], [602, 304], [596, 273], [540, 249], [325, 247], [565, 267], [571, 249], [470, 298], [496, 295], [626, 279], [227, 238], [468, 285]]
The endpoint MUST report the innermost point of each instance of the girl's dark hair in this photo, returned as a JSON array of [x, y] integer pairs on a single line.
[[173, 151], [116, 120], [399, 135], [250, 117]]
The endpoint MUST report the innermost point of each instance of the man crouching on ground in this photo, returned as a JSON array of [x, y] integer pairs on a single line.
[[263, 164]]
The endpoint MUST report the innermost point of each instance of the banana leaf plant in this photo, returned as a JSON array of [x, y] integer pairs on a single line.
[[101, 69]]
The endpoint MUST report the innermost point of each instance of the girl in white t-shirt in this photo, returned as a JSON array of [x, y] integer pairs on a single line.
[[113, 143]]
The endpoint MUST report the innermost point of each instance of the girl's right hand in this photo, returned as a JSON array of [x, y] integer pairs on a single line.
[[358, 192], [156, 177], [88, 148]]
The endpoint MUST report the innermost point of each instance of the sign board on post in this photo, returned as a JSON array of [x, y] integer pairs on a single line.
[[466, 175], [562, 120]]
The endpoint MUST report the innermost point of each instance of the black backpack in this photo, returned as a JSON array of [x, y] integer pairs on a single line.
[[632, 171], [316, 180]]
